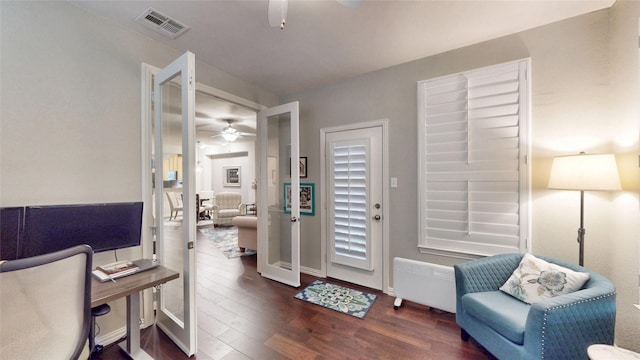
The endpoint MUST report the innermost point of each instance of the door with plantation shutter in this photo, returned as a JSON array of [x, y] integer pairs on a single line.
[[474, 186], [354, 206]]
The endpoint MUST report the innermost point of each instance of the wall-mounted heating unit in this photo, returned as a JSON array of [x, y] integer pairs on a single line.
[[424, 283]]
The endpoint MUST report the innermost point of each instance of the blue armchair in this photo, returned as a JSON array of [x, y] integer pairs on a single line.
[[562, 327]]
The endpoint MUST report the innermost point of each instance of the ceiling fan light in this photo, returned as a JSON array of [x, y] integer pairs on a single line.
[[230, 136]]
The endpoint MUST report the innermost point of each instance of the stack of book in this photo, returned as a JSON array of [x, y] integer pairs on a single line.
[[115, 270]]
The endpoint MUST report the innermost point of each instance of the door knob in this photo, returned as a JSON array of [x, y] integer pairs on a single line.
[[294, 219]]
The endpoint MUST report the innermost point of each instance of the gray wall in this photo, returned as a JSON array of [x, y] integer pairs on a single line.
[[584, 98], [70, 110]]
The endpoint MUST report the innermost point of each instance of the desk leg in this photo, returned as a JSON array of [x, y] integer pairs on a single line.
[[132, 346]]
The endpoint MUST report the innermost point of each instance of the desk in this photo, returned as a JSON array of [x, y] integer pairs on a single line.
[[130, 286]]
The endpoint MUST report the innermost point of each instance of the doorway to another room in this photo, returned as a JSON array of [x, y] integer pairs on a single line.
[[225, 147]]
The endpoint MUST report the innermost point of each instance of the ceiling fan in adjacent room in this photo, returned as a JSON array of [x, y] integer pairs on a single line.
[[278, 11], [231, 134]]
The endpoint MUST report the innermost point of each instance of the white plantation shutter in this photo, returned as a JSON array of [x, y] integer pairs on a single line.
[[473, 176], [348, 184]]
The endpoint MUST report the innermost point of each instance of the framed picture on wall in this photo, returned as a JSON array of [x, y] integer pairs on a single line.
[[231, 175], [303, 167], [307, 199], [302, 164]]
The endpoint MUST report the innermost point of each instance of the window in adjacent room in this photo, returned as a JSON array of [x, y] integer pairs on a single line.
[[474, 178]]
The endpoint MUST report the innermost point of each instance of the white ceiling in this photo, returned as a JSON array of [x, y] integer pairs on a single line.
[[324, 41]]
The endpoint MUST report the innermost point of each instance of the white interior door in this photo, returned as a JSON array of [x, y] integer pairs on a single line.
[[174, 159], [353, 162], [279, 211]]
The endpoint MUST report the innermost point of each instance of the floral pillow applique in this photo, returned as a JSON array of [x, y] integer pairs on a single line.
[[536, 280]]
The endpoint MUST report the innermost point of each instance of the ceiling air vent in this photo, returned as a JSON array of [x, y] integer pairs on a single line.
[[161, 23]]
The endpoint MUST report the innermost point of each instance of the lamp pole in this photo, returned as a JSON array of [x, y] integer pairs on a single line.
[[581, 230]]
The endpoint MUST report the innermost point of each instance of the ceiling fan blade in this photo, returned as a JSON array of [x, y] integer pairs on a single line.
[[278, 13]]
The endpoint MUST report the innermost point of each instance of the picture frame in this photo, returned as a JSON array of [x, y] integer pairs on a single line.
[[307, 198], [231, 176], [303, 166]]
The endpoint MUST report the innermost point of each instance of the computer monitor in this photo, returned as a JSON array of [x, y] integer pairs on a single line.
[[11, 219], [104, 227]]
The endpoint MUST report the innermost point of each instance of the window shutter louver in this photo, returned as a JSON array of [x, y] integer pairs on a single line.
[[349, 177], [471, 152]]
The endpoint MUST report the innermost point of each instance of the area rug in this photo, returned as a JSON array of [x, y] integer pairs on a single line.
[[339, 298], [225, 239]]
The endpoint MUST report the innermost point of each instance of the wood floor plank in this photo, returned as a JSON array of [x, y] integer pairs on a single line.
[[291, 349], [242, 316]]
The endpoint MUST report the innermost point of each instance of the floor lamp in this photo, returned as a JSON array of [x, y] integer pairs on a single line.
[[584, 173]]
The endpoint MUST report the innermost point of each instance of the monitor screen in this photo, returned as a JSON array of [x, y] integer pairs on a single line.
[[10, 232], [102, 226]]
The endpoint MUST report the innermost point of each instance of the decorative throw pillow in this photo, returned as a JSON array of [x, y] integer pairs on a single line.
[[536, 280]]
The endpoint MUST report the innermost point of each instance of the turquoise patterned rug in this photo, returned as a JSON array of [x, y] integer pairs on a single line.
[[339, 298], [225, 239]]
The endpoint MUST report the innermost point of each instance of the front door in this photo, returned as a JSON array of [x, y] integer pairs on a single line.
[[353, 162], [278, 205], [174, 179]]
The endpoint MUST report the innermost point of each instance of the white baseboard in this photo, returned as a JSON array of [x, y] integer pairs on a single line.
[[390, 291], [311, 271], [111, 337]]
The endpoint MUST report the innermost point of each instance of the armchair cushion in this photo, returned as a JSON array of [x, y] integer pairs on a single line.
[[535, 280], [499, 312]]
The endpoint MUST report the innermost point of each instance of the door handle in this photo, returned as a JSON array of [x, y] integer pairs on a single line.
[[377, 217], [294, 219]]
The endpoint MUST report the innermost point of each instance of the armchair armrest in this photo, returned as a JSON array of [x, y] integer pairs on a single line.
[[563, 327]]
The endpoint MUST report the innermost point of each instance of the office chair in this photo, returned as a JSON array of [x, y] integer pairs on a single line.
[[95, 312], [45, 305]]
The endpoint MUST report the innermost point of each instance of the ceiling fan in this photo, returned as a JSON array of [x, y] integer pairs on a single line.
[[230, 134], [278, 11]]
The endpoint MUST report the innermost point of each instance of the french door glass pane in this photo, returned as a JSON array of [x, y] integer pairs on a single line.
[[279, 220], [173, 227]]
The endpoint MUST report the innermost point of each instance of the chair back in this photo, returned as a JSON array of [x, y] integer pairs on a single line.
[[228, 200], [45, 305]]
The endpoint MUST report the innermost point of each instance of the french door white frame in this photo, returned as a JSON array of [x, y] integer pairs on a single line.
[[290, 273], [181, 331], [384, 124], [148, 73]]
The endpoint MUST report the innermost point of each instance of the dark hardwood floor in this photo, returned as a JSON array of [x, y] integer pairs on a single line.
[[242, 315]]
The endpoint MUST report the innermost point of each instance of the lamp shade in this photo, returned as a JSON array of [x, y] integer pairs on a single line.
[[585, 172]]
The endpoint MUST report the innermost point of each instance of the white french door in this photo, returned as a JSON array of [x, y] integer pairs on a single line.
[[174, 109], [353, 163], [278, 210]]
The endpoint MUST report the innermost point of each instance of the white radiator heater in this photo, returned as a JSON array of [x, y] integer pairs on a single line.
[[424, 283]]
